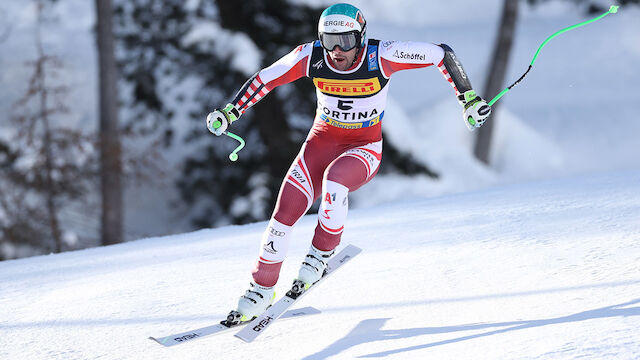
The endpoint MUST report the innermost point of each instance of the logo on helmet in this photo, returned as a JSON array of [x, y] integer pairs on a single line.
[[360, 20], [341, 23]]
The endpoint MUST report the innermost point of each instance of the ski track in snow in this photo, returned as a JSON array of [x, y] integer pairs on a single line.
[[542, 270]]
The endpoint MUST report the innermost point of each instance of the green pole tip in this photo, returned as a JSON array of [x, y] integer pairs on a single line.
[[233, 157], [613, 9]]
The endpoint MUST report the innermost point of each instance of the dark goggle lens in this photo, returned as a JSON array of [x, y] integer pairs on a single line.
[[345, 41]]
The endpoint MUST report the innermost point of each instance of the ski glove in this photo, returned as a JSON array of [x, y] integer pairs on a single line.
[[219, 120], [476, 110]]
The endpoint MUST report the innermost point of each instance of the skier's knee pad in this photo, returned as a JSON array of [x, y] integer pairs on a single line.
[[275, 242], [333, 207]]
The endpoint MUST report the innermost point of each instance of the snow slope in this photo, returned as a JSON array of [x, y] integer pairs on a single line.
[[547, 269]]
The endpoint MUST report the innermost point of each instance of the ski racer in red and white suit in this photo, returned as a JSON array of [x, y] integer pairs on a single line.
[[344, 147]]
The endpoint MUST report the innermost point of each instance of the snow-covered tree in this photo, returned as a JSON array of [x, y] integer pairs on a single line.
[[46, 167]]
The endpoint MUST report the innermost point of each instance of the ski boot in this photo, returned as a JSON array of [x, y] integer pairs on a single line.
[[312, 269], [250, 305]]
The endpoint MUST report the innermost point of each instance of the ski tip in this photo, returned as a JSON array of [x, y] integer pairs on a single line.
[[156, 340], [164, 341]]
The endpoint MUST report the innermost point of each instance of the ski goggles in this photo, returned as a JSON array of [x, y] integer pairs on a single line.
[[345, 41]]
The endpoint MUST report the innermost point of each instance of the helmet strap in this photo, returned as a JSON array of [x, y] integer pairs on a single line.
[[358, 54]]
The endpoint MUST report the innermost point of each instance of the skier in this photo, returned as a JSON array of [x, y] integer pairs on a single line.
[[344, 147]]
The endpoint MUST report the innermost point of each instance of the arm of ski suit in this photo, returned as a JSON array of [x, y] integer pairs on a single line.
[[475, 109], [287, 69], [404, 55], [401, 55]]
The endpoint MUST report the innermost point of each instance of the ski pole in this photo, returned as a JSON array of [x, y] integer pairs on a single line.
[[234, 154], [612, 10]]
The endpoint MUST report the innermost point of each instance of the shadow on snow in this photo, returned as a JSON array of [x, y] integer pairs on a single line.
[[370, 330]]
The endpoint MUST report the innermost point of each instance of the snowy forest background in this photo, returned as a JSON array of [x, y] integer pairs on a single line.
[[178, 60]]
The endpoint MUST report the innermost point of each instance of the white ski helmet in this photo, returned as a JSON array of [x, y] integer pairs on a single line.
[[342, 25]]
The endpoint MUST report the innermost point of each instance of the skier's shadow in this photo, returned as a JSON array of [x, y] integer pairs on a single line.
[[371, 330]]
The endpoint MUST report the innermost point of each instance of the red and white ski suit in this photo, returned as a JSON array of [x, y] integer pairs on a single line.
[[344, 147]]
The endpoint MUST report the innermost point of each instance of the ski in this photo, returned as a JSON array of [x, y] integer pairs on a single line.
[[222, 328], [262, 322]]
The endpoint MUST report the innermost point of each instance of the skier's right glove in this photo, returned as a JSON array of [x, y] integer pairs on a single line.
[[219, 120], [476, 110]]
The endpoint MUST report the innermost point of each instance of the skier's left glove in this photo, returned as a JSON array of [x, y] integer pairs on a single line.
[[476, 110], [219, 120]]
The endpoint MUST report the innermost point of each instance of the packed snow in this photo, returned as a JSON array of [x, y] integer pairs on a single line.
[[541, 270]]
